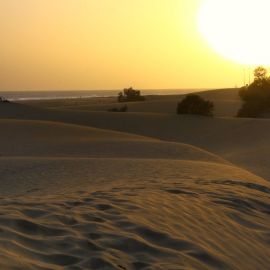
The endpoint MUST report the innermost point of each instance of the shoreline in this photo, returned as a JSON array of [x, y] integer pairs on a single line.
[[77, 94]]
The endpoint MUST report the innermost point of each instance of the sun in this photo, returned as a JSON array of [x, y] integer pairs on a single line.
[[237, 29]]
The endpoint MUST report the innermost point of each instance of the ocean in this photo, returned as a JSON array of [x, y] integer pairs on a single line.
[[38, 95]]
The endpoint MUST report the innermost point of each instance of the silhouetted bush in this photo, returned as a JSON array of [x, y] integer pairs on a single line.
[[250, 109], [121, 109], [129, 94], [2, 99], [194, 104], [256, 96]]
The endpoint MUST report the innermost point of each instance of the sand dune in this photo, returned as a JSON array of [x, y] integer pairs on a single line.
[[50, 139], [153, 214], [227, 103], [243, 142], [77, 197], [100, 213], [223, 108]]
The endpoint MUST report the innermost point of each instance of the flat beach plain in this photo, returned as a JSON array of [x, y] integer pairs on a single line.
[[88, 189]]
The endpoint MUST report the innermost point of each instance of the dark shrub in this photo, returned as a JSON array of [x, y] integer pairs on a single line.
[[250, 109], [121, 109], [2, 99], [256, 96], [129, 94], [194, 104]]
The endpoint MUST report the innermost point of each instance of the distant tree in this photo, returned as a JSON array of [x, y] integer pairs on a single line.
[[256, 96], [120, 97], [129, 94], [260, 73], [194, 104]]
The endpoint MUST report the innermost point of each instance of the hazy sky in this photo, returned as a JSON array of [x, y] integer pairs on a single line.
[[107, 44]]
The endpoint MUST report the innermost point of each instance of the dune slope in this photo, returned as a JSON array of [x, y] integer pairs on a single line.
[[69, 202], [243, 142], [155, 215]]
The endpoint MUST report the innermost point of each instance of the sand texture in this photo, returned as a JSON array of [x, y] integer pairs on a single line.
[[98, 190]]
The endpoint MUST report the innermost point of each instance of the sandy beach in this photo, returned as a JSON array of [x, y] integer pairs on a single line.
[[83, 188]]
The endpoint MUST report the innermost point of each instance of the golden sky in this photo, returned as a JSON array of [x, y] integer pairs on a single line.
[[107, 44]]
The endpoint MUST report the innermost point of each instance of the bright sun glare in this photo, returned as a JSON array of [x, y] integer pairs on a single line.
[[237, 29]]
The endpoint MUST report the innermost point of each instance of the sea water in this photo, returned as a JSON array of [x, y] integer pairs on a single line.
[[38, 95]]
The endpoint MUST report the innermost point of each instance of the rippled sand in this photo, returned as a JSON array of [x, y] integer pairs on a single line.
[[75, 197], [182, 215]]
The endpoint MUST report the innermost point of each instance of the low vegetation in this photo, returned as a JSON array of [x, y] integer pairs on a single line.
[[194, 104], [129, 95], [3, 100], [256, 96], [121, 109]]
